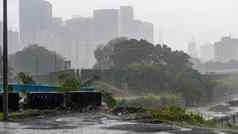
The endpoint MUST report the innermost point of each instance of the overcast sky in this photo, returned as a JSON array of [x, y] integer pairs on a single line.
[[176, 21]]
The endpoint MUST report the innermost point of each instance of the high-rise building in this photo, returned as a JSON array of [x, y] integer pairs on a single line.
[[105, 25], [126, 21], [35, 16], [136, 29], [80, 40], [148, 31], [77, 38], [207, 52], [13, 40], [226, 49], [192, 50], [80, 28]]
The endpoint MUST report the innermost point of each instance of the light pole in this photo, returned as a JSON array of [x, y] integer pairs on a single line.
[[5, 62]]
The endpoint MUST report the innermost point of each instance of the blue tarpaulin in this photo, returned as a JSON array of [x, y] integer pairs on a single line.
[[30, 88]]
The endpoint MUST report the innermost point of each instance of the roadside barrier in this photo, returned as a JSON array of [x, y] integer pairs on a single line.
[[72, 100], [45, 100], [13, 104], [82, 99]]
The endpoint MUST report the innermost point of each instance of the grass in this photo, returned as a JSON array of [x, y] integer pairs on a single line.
[[177, 114], [14, 116], [152, 101], [11, 115]]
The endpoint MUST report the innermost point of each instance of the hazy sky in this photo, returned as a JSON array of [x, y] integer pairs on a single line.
[[176, 21]]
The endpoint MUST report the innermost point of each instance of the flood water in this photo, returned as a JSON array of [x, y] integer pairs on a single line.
[[94, 124]]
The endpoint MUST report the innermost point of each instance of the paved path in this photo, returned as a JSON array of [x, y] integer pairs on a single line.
[[94, 124]]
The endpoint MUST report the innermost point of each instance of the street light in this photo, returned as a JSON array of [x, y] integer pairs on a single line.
[[5, 63]]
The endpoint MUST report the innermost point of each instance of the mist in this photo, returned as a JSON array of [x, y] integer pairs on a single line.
[[176, 22]]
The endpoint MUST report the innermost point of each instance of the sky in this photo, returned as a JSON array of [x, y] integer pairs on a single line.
[[176, 22]]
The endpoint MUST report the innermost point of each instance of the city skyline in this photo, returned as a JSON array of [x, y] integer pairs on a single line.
[[77, 38], [175, 24]]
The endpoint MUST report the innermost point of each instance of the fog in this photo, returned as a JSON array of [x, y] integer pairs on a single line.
[[176, 22]]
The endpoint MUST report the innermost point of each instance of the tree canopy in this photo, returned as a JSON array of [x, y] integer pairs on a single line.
[[36, 60], [119, 53], [152, 68], [25, 78]]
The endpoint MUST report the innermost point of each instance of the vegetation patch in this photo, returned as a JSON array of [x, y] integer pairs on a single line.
[[155, 101], [177, 114], [108, 99]]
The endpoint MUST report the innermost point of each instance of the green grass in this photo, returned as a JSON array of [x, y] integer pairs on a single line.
[[178, 115], [12, 115], [152, 101]]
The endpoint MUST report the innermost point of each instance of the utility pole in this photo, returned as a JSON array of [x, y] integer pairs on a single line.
[[55, 62], [5, 62]]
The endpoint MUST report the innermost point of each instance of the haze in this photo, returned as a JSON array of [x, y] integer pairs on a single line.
[[176, 22]]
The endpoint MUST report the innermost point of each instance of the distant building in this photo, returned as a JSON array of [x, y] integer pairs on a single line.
[[126, 21], [13, 40], [77, 38], [80, 40], [146, 31], [35, 16], [207, 52], [192, 50], [226, 49], [80, 28], [136, 29], [106, 25]]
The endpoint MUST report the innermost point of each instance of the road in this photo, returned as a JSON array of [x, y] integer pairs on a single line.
[[94, 124]]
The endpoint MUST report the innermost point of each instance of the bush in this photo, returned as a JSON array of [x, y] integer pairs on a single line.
[[68, 83], [108, 99], [178, 115], [155, 102]]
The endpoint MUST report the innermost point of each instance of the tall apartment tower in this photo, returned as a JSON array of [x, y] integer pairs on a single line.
[[126, 20], [131, 28], [226, 49], [105, 25], [35, 16]]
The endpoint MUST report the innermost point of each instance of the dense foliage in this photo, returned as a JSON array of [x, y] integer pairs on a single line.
[[36, 60], [69, 82], [144, 67], [120, 53], [25, 78], [178, 115]]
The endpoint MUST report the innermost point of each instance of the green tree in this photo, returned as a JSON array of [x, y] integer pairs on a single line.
[[69, 82], [25, 78], [36, 60], [145, 67], [119, 53]]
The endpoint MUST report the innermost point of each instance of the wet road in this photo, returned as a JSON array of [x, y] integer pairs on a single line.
[[94, 124]]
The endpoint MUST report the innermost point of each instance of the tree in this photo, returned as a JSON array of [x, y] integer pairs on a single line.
[[25, 78], [145, 67], [69, 82], [119, 53], [36, 60], [103, 54], [132, 52]]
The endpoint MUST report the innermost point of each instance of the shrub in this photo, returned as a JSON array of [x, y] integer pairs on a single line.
[[108, 99], [154, 102], [178, 115]]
